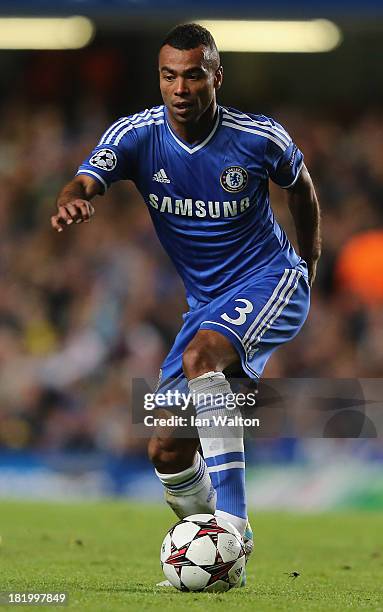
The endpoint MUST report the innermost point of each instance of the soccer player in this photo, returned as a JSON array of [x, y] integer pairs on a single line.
[[203, 171]]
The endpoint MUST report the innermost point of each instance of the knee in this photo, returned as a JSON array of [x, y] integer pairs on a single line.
[[197, 360]]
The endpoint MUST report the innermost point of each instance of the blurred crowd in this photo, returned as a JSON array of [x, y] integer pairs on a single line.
[[85, 311]]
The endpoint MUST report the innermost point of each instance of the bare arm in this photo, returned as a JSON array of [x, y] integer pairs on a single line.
[[304, 207], [73, 202]]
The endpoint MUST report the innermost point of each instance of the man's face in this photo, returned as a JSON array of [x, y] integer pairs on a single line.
[[188, 82]]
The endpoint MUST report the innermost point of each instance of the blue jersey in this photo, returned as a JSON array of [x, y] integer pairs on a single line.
[[209, 202]]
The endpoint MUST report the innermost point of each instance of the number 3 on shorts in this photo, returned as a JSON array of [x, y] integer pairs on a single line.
[[242, 312]]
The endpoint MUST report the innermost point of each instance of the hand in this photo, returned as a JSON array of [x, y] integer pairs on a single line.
[[77, 211]]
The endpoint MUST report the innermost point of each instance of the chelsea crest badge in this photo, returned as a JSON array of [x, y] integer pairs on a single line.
[[234, 179]]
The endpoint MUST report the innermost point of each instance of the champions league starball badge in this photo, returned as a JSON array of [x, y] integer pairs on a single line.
[[105, 159], [234, 179]]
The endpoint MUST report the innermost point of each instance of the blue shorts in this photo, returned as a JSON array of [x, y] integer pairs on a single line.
[[256, 317]]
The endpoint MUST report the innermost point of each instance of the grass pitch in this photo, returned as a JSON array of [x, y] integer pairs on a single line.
[[106, 556]]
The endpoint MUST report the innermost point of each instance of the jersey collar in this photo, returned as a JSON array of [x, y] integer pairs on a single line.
[[198, 146]]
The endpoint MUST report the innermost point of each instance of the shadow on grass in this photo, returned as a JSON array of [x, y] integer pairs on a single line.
[[144, 589], [137, 589]]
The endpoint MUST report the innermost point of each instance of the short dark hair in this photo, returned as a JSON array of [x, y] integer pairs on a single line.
[[190, 36]]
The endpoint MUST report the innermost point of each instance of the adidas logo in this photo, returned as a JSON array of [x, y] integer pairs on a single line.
[[161, 177]]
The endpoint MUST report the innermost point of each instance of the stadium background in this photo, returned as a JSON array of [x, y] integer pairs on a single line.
[[83, 313]]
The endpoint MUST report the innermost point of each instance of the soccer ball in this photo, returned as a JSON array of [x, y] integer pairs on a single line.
[[203, 553]]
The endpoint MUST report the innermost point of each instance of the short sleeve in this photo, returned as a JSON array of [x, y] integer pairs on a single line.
[[283, 159], [114, 158]]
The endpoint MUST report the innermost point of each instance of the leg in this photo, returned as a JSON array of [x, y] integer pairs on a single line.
[[182, 471], [179, 466], [256, 320], [204, 359]]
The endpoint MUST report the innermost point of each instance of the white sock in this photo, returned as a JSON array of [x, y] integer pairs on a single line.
[[222, 447], [190, 491]]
